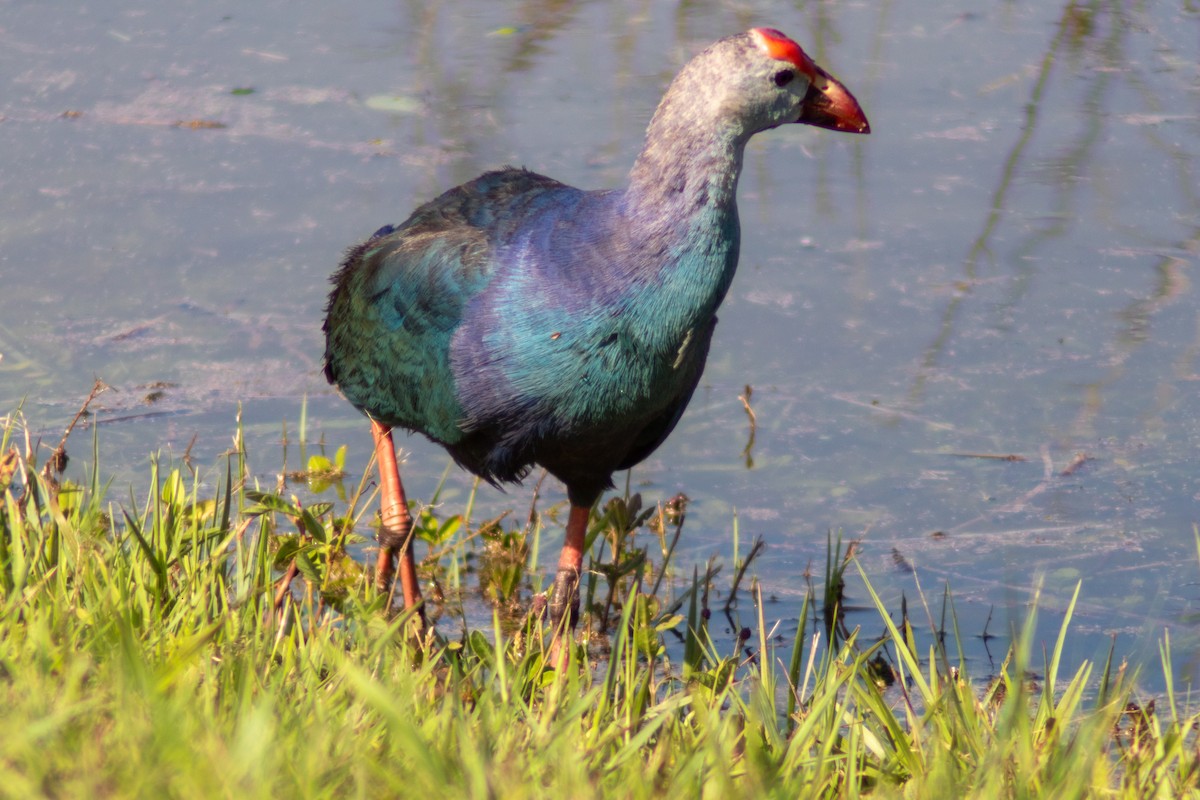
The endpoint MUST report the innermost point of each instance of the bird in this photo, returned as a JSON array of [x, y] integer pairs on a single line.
[[518, 321]]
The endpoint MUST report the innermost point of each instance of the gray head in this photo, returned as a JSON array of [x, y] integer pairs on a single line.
[[755, 81]]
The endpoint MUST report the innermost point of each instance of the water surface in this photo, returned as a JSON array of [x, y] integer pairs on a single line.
[[1003, 268]]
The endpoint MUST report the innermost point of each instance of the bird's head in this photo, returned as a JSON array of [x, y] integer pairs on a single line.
[[762, 79], [799, 85]]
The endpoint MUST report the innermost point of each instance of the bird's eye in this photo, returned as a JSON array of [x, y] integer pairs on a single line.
[[784, 77]]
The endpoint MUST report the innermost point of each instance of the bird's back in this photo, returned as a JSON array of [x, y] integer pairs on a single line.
[[399, 297]]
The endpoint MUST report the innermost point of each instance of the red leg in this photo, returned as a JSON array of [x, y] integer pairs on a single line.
[[564, 596], [395, 532]]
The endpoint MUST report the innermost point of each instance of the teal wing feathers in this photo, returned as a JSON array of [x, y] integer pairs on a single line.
[[399, 297]]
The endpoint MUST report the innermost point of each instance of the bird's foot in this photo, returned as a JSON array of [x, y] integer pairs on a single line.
[[563, 606], [564, 600], [393, 534], [385, 569], [395, 554], [392, 538]]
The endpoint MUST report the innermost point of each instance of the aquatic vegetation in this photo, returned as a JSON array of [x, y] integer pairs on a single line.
[[181, 642]]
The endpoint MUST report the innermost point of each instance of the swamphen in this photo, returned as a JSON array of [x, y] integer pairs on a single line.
[[516, 320]]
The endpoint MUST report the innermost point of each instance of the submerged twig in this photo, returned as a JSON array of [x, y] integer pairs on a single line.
[[187, 454], [57, 463], [985, 636], [1049, 477], [532, 519], [755, 551], [1078, 461], [992, 456], [745, 398], [675, 508]]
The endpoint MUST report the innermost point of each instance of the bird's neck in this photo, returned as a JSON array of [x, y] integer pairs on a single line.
[[684, 169], [681, 210]]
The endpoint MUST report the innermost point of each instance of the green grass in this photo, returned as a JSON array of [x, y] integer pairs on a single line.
[[149, 649]]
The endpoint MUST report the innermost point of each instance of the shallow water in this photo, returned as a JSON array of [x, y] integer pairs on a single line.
[[1003, 268]]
